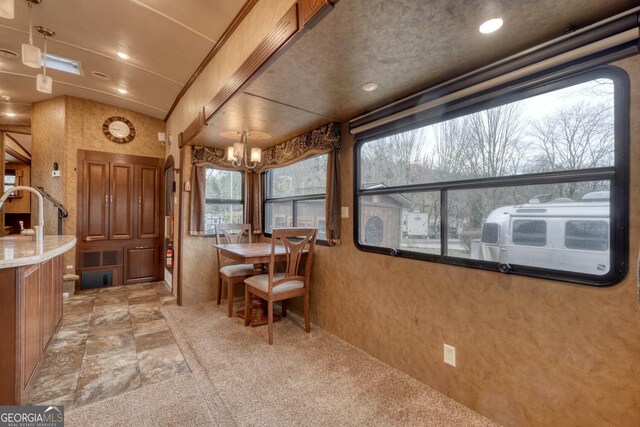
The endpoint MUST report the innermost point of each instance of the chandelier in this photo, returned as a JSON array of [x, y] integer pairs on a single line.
[[239, 153]]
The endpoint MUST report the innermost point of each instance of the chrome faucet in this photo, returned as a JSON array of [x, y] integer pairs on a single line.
[[38, 230]]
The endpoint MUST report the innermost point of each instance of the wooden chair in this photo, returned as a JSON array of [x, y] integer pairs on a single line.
[[274, 287], [232, 274]]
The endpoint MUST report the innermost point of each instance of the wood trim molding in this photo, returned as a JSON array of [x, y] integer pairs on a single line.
[[283, 31], [288, 29], [223, 39], [15, 141], [312, 11], [193, 129], [23, 129]]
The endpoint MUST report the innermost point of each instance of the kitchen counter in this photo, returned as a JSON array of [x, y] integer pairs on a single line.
[[16, 251]]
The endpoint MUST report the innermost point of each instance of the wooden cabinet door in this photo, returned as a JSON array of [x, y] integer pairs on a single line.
[[46, 303], [121, 202], [141, 264], [58, 287], [148, 202], [30, 321], [95, 213]]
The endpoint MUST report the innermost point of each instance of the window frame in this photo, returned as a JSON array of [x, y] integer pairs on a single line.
[[618, 175], [267, 187], [214, 201]]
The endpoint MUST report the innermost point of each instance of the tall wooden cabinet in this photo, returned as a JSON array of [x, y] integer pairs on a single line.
[[120, 213]]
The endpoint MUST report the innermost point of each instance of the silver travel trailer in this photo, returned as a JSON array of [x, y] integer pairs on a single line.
[[561, 234]]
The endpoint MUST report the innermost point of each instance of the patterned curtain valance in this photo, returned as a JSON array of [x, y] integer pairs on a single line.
[[211, 156], [324, 139]]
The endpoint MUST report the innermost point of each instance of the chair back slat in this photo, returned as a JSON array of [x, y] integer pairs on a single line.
[[295, 242], [294, 252], [232, 233]]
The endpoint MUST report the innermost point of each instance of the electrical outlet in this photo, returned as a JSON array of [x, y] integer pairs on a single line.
[[56, 174], [450, 355], [345, 212]]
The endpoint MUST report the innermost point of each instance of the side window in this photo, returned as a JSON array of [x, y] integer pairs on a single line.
[[448, 184], [529, 232], [295, 196], [224, 198], [586, 235]]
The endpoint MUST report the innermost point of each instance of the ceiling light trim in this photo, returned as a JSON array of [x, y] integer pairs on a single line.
[[185, 26]]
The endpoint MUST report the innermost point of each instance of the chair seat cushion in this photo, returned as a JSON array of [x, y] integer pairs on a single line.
[[261, 282], [236, 270]]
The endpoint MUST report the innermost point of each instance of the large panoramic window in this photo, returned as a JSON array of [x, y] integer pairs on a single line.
[[295, 196], [224, 198], [534, 183]]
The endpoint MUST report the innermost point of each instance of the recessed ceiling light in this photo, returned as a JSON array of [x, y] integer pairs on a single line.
[[491, 25], [123, 55], [10, 114], [99, 75], [6, 53], [122, 91], [369, 87]]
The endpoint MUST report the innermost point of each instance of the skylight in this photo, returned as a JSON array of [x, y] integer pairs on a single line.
[[63, 64]]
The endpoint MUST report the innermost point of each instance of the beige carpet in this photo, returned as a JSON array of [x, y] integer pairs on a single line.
[[303, 379]]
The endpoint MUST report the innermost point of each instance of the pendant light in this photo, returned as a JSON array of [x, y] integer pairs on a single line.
[[7, 9], [239, 153], [31, 55], [44, 83]]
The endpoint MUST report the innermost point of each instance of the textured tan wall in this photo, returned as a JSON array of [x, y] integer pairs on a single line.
[[48, 145], [64, 125], [529, 352]]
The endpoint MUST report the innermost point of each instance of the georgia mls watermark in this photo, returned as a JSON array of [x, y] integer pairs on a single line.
[[31, 416]]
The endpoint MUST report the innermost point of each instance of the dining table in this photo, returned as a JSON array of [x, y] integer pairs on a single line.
[[258, 254]]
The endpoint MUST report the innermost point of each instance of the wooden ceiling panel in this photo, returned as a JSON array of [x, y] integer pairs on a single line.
[[198, 14], [166, 42]]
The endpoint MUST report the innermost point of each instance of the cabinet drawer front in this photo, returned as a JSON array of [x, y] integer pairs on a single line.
[[141, 263]]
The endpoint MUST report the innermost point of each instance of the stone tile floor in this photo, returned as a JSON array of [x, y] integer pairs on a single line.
[[112, 340]]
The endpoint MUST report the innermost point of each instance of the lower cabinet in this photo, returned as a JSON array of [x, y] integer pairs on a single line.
[[141, 263], [31, 306], [30, 319]]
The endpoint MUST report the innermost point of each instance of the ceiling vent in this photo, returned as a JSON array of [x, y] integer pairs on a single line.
[[6, 53], [60, 63], [99, 75]]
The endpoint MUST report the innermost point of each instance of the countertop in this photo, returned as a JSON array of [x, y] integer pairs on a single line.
[[16, 251]]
